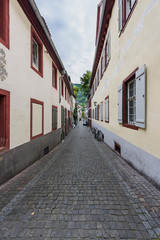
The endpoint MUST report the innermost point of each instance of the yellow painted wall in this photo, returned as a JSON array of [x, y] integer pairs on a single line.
[[136, 46]]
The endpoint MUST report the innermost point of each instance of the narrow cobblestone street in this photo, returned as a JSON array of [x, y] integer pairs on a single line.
[[80, 190]]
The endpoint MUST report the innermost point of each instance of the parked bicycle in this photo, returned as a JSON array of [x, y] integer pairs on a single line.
[[98, 134]]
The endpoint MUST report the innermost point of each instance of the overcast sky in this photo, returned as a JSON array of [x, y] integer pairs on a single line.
[[72, 24]]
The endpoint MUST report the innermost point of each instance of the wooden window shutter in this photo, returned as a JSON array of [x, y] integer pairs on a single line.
[[120, 16], [120, 104], [54, 118], [107, 110], [141, 97]]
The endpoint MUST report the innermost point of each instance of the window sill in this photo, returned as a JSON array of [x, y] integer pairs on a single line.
[[130, 126], [5, 43], [55, 87], [34, 137], [37, 71]]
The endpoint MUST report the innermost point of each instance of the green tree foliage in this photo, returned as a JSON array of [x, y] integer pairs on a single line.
[[85, 82], [76, 90], [75, 115], [80, 99]]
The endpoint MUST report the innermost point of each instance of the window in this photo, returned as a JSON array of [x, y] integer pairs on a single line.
[[62, 116], [4, 22], [54, 76], [129, 104], [129, 6], [98, 76], [98, 112], [4, 120], [107, 109], [95, 80], [37, 119], [36, 53], [62, 87], [103, 61], [65, 93], [101, 111], [131, 100], [93, 114], [101, 66], [108, 50], [54, 117], [69, 118], [125, 7], [60, 91]]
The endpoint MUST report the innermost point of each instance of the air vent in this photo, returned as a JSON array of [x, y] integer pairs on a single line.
[[117, 148], [46, 150]]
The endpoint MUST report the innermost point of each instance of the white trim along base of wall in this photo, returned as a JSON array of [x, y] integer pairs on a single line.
[[141, 160]]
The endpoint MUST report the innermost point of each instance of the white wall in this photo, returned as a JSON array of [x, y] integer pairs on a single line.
[[24, 83]]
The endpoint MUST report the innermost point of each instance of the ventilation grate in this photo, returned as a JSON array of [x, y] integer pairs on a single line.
[[46, 150]]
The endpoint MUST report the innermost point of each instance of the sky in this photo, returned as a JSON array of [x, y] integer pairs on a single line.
[[72, 24]]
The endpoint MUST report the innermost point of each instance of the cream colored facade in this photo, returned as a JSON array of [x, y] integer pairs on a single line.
[[136, 46], [25, 84]]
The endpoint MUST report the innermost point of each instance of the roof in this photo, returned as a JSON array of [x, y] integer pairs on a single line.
[[38, 22], [103, 27]]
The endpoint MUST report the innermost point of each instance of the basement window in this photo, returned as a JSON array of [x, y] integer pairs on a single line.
[[117, 148]]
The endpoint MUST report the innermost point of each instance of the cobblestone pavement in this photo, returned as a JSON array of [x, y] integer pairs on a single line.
[[80, 190]]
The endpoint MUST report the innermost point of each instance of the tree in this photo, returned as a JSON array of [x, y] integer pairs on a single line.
[[85, 82], [75, 115], [76, 90]]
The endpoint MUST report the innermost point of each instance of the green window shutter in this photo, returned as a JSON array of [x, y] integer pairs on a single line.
[[54, 118], [63, 116]]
